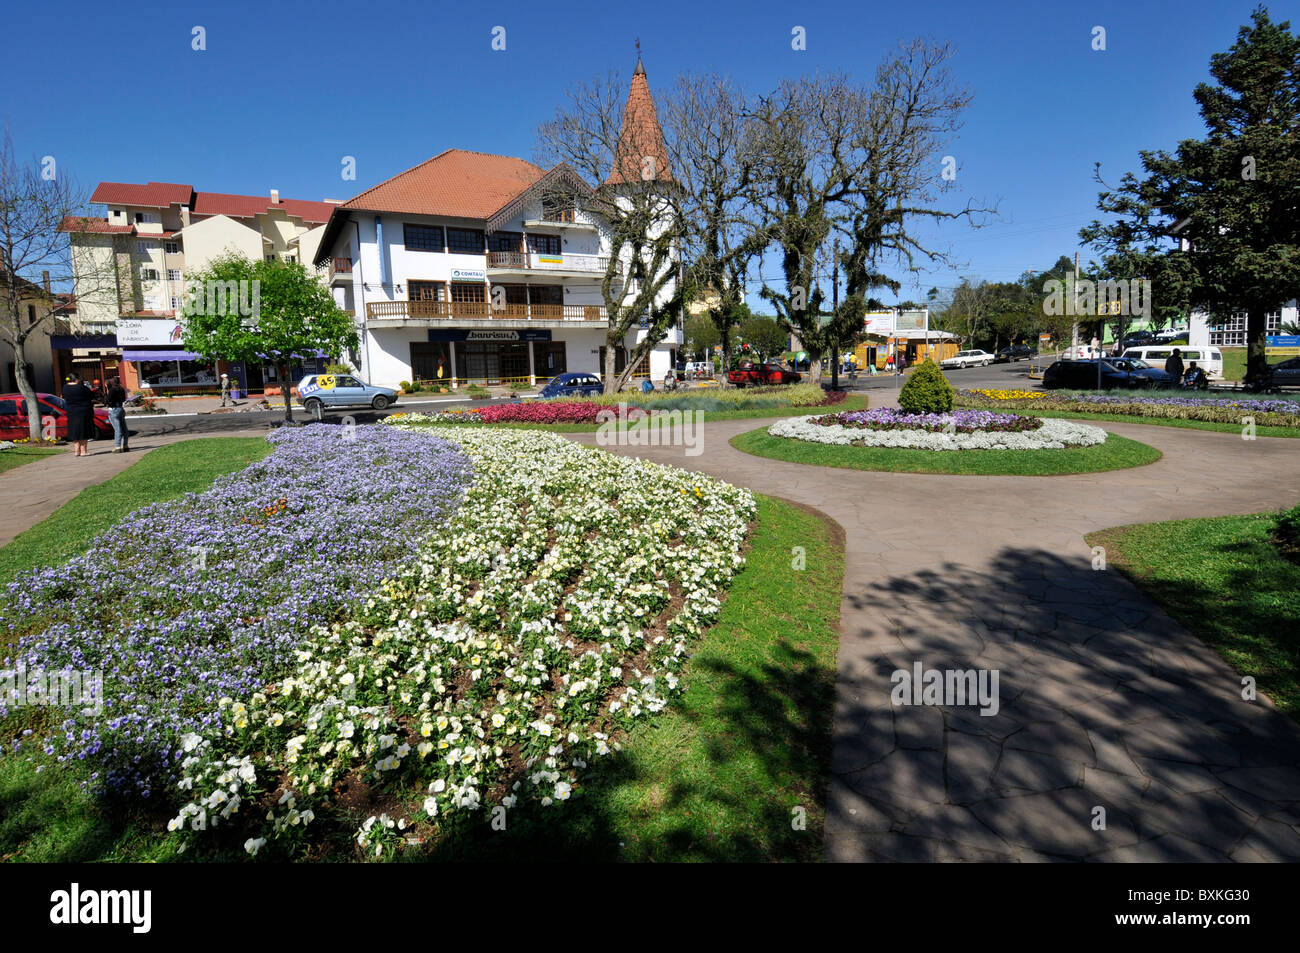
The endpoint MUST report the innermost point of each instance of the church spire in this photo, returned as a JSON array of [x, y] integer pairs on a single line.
[[641, 154]]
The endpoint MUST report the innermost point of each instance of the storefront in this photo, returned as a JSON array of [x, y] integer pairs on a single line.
[[488, 356]]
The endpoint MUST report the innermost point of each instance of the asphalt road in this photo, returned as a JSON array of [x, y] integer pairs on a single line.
[[881, 388]]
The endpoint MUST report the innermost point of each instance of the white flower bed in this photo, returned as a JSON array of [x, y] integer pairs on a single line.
[[1054, 434], [558, 607]]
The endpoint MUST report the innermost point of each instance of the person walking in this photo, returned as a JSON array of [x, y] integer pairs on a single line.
[[79, 403], [225, 389], [1174, 365], [115, 398]]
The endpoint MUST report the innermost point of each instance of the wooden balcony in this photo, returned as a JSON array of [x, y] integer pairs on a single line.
[[593, 266], [482, 311], [340, 268]]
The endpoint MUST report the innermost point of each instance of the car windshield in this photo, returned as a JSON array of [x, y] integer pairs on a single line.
[[1138, 364], [55, 401]]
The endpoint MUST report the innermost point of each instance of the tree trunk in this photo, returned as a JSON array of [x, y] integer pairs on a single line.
[[284, 390], [27, 390], [1256, 355], [726, 354], [814, 368], [611, 384]]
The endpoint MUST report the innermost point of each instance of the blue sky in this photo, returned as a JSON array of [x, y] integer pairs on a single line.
[[284, 91]]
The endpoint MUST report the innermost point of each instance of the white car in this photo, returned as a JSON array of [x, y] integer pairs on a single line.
[[1171, 334], [968, 359]]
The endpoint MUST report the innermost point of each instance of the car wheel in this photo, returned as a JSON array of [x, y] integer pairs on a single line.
[[984, 364], [315, 408], [380, 402]]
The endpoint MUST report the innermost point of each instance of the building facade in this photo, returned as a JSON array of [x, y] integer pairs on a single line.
[[468, 269], [132, 265]]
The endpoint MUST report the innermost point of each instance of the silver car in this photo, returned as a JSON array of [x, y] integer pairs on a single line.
[[319, 391]]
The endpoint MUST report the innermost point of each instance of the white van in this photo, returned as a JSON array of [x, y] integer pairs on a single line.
[[1209, 359]]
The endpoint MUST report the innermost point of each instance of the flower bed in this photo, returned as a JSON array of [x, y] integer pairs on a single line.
[[1230, 410], [940, 432], [554, 610], [959, 421], [185, 602]]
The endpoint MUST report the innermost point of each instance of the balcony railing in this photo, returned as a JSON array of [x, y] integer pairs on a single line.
[[340, 266], [445, 310], [535, 261]]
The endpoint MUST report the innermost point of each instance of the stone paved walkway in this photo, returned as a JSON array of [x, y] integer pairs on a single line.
[[30, 493], [1104, 700]]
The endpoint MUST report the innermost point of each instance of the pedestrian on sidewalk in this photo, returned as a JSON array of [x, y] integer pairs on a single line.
[[79, 403], [225, 390], [114, 398], [1174, 365]]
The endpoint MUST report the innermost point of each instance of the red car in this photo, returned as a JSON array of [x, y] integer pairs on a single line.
[[13, 417], [749, 373]]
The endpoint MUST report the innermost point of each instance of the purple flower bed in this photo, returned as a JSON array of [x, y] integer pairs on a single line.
[[962, 421], [207, 596], [1259, 406]]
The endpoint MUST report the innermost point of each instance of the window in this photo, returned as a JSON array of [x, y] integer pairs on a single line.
[[467, 291], [117, 213], [546, 294], [148, 274], [422, 237], [1229, 331], [1272, 322], [426, 291], [269, 257], [31, 314], [465, 241], [550, 358], [173, 248], [144, 218], [173, 274], [544, 244], [558, 209], [8, 408], [176, 303], [142, 248], [505, 241]]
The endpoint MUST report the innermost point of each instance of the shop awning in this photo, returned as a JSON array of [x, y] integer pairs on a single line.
[[129, 354]]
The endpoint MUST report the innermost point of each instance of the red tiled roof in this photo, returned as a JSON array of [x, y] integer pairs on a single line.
[[246, 206], [455, 183], [79, 223], [641, 137], [150, 195]]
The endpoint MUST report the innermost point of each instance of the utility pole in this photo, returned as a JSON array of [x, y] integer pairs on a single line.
[[1074, 308], [835, 307]]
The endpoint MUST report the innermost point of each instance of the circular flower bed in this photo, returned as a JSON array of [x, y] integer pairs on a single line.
[[959, 430]]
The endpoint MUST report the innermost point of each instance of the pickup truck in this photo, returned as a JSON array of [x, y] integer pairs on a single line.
[[749, 373]]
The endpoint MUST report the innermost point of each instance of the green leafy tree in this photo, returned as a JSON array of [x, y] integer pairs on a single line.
[[1229, 199], [765, 336], [701, 334], [242, 310]]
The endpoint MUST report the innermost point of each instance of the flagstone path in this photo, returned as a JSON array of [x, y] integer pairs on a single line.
[[1105, 702]]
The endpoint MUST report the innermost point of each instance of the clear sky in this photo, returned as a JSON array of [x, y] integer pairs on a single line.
[[285, 90]]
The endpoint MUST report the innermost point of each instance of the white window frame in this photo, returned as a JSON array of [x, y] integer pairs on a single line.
[[173, 248], [142, 247], [173, 274]]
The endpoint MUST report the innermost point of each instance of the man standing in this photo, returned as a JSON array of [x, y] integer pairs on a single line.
[[225, 389], [1174, 365]]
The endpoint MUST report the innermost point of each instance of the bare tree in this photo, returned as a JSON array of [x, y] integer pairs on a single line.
[[37, 204], [611, 136], [715, 155], [866, 164]]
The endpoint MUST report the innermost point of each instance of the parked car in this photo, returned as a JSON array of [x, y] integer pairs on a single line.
[[318, 391], [13, 417], [1137, 339], [1016, 352], [1170, 334], [749, 373], [968, 359], [1210, 358], [1115, 372], [572, 384], [1285, 374]]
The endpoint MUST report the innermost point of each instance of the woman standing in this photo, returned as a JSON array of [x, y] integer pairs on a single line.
[[79, 401], [114, 398]]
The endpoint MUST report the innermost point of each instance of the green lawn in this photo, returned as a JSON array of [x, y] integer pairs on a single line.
[[717, 776], [16, 456], [1227, 582], [161, 474], [1117, 453]]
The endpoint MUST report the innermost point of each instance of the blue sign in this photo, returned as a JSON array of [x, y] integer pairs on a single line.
[[1282, 340], [490, 335]]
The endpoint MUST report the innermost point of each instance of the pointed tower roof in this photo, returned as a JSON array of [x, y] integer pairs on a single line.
[[641, 137]]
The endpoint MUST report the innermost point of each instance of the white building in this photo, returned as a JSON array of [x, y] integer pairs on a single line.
[[1204, 330], [465, 269]]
